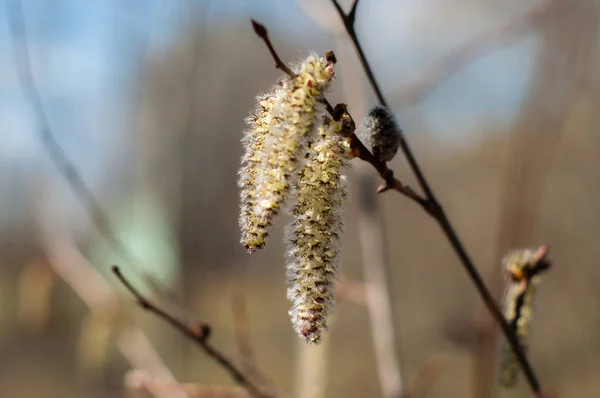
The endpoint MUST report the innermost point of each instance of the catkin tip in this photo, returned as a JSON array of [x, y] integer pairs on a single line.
[[313, 236]]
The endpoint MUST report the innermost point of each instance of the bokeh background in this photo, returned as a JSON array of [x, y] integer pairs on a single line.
[[499, 101]]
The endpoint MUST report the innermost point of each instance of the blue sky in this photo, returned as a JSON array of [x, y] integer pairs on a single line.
[[85, 55]]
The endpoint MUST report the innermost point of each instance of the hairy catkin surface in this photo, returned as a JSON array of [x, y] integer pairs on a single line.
[[254, 227], [313, 236], [267, 177]]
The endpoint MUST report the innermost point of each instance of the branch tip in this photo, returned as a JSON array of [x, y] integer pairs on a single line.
[[259, 29]]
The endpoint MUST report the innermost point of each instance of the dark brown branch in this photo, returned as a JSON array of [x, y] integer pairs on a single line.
[[435, 209], [198, 334]]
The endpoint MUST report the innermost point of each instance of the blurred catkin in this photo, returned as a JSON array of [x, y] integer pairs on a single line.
[[275, 143], [522, 268], [313, 236]]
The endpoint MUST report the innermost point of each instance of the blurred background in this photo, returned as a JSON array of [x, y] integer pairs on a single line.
[[147, 100]]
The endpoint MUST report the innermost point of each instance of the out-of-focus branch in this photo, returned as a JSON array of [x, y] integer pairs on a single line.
[[198, 333], [242, 339], [425, 377], [93, 289], [378, 292], [430, 78], [437, 212], [567, 45], [57, 154], [139, 381]]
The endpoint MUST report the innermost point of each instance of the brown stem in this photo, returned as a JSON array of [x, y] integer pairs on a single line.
[[261, 32], [198, 333], [435, 209]]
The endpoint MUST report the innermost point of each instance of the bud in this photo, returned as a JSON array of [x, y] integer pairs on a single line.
[[313, 236], [274, 143], [380, 132]]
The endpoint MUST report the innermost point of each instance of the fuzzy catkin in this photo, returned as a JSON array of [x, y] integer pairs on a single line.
[[518, 308], [380, 132], [267, 180], [313, 236], [254, 226]]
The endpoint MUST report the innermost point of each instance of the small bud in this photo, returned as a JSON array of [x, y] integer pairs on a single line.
[[380, 132], [313, 236], [522, 269]]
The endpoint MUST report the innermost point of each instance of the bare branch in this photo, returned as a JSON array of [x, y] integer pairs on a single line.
[[198, 334], [434, 208]]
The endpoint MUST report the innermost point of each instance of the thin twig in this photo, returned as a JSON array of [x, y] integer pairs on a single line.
[[198, 333], [439, 214], [261, 32]]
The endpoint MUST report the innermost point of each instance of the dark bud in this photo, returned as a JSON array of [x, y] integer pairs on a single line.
[[330, 57], [259, 29], [380, 132]]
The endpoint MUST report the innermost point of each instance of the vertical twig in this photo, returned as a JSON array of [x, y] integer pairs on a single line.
[[437, 211], [378, 292]]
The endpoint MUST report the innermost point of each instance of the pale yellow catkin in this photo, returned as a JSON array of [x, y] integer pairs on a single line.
[[265, 180], [313, 237]]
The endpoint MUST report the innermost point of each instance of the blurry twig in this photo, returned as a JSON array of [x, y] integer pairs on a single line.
[[242, 339], [425, 377], [437, 212], [431, 77], [58, 156], [567, 43], [139, 381], [351, 290], [242, 335], [199, 334], [92, 288]]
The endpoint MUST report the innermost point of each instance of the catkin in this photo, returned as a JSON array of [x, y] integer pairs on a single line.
[[254, 226], [266, 175], [313, 236]]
